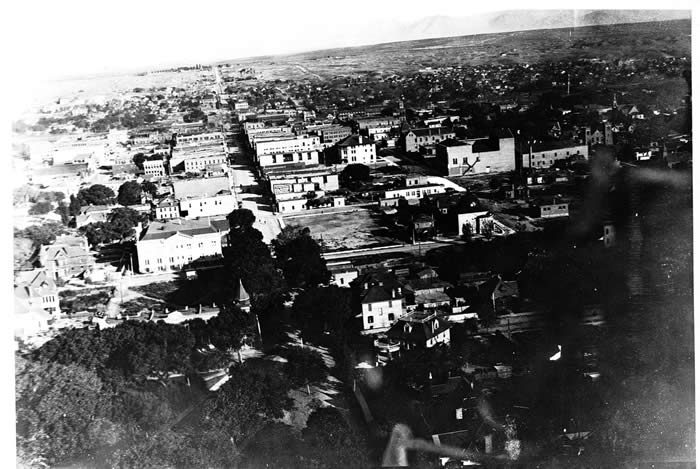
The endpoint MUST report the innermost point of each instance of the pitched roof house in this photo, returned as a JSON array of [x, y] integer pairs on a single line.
[[38, 289], [381, 299], [67, 257], [420, 329]]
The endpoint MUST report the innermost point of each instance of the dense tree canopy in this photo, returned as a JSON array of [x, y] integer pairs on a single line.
[[58, 407], [129, 193], [41, 234], [149, 188], [96, 194], [250, 399], [40, 208], [299, 257], [119, 225], [138, 160], [354, 174], [248, 258], [324, 309]]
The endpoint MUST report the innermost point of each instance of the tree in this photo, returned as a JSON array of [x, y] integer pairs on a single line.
[[98, 233], [96, 195], [43, 234], [59, 410], [138, 160], [331, 442], [248, 258], [149, 188], [299, 257], [231, 328], [240, 219], [123, 220], [74, 206], [64, 211], [129, 193], [250, 399], [354, 174], [303, 366], [324, 309], [40, 208]]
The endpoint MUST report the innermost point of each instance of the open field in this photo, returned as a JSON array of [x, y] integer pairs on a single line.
[[349, 230], [610, 42]]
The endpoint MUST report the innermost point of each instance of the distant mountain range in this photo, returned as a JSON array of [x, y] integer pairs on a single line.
[[520, 20]]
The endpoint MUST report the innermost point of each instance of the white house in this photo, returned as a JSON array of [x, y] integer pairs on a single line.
[[170, 245], [357, 149]]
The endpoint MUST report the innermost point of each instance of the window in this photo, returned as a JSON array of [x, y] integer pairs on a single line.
[[342, 281], [391, 316], [370, 319], [389, 303], [369, 307]]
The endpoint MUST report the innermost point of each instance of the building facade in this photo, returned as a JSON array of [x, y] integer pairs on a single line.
[[416, 138], [213, 205], [173, 244], [356, 149], [476, 156], [544, 155]]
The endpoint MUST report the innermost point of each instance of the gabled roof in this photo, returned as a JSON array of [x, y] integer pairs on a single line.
[[418, 327], [429, 131], [166, 229], [376, 294], [34, 284], [353, 141]]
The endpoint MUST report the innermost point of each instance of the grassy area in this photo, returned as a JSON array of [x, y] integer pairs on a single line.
[[208, 288], [74, 301], [348, 230]]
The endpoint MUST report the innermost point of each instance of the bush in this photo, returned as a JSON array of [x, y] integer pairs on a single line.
[[40, 208]]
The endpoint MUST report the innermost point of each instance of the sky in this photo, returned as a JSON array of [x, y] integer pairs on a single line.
[[49, 40], [52, 39]]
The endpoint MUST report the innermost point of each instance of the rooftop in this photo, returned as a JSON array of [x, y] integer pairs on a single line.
[[200, 186], [168, 228]]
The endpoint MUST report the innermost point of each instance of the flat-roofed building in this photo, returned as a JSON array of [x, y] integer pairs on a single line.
[[476, 155], [200, 163], [187, 128], [333, 134], [296, 144], [200, 186], [549, 208], [220, 203], [301, 181], [309, 158], [154, 167], [195, 139], [544, 155], [414, 189]]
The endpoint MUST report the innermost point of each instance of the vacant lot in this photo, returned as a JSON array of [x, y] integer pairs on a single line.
[[347, 230]]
